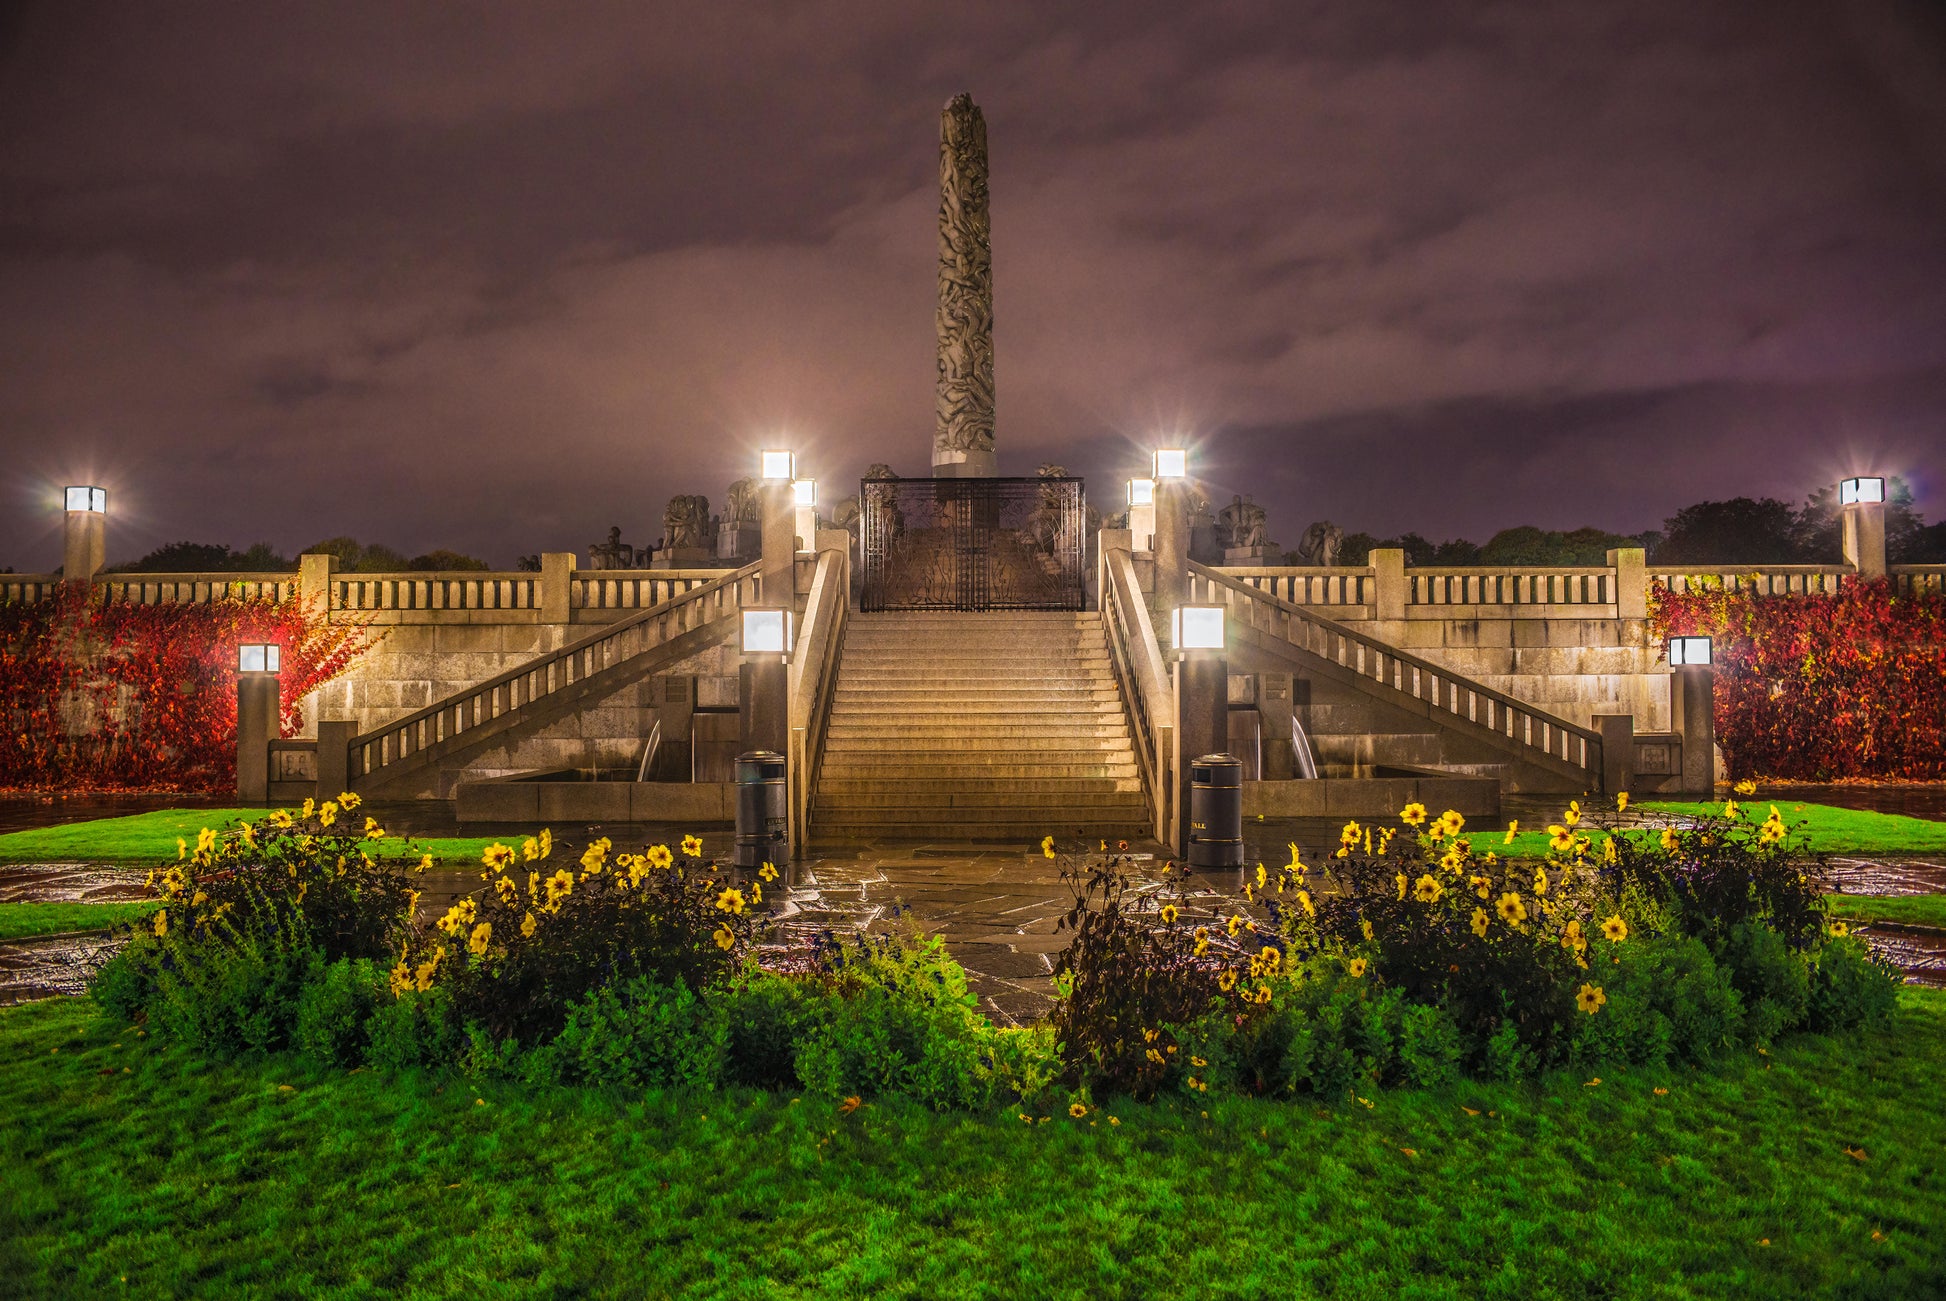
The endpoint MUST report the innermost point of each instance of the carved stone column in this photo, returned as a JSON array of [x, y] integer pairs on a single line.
[[962, 445]]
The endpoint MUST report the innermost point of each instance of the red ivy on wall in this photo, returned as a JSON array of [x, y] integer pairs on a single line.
[[122, 697], [1817, 687]]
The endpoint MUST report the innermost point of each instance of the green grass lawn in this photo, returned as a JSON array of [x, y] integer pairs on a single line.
[[1830, 829], [130, 1169], [20, 920], [1910, 909], [148, 838]]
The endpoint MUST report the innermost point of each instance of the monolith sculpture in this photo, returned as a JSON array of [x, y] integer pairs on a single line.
[[962, 444]]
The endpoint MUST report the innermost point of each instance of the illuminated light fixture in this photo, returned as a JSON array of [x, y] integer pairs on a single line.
[[1172, 464], [92, 500], [766, 631], [778, 465], [1688, 650], [806, 492], [259, 657], [1141, 492], [1852, 492], [1196, 627]]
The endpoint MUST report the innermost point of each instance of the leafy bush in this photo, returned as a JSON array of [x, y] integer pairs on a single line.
[[415, 1028], [335, 1009], [641, 1032], [1851, 987]]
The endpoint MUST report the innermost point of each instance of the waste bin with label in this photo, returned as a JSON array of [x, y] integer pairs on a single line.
[[1216, 811], [761, 809]]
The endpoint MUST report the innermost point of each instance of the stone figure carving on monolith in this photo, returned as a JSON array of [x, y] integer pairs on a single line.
[[962, 445]]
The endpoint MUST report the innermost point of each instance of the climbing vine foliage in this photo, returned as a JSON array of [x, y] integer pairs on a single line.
[[1819, 687], [143, 697]]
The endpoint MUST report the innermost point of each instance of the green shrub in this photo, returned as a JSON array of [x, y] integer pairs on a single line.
[[1851, 987], [641, 1033], [1772, 979], [1431, 1048], [415, 1029], [237, 995], [1505, 1057], [334, 1011], [1704, 1011], [764, 1014]]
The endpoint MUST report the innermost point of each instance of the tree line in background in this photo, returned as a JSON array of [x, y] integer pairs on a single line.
[[1740, 531], [353, 557]]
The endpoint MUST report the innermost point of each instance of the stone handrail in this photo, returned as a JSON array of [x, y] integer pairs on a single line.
[[1535, 735], [24, 588], [1309, 585], [1144, 681], [193, 589], [633, 589], [813, 682], [436, 589], [1759, 580], [1512, 585], [372, 753], [1918, 580]]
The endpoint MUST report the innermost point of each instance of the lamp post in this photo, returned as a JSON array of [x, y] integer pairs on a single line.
[[804, 497], [84, 536], [1171, 525], [257, 667], [1692, 709], [777, 472], [1197, 639], [1861, 525], [763, 794], [1141, 514]]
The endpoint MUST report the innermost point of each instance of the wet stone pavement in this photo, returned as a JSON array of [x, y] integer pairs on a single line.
[[996, 905]]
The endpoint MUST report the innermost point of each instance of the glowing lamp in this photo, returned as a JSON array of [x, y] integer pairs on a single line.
[[1689, 650], [1172, 464], [778, 465], [92, 500], [1141, 492], [259, 657], [805, 491], [766, 631], [1851, 492], [1196, 627]]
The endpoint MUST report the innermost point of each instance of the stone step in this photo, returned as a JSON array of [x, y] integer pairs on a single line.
[[976, 807], [956, 766], [919, 788], [1041, 822], [951, 652], [915, 700], [1039, 735], [929, 708]]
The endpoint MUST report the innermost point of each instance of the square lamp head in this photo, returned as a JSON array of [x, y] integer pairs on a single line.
[[1141, 492], [777, 465], [259, 657], [1854, 492], [766, 631], [1196, 627], [1172, 464], [92, 500], [805, 492], [1689, 650]]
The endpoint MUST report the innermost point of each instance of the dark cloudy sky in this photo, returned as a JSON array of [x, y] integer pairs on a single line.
[[492, 277]]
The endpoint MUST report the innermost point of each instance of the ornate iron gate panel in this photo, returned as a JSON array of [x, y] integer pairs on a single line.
[[973, 544]]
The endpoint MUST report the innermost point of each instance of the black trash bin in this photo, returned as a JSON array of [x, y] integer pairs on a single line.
[[761, 809], [1216, 811]]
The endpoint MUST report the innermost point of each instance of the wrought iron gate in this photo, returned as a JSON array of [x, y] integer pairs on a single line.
[[973, 544]]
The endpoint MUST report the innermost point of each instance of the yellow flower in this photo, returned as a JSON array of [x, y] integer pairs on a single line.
[[528, 925], [1168, 914], [530, 849], [1304, 900], [1047, 846], [1482, 886], [1512, 911], [1540, 880], [507, 890], [1202, 940], [730, 901], [182, 849], [1273, 960], [768, 872], [1413, 814], [1614, 929], [1731, 811], [1745, 787], [595, 855], [161, 922], [1609, 854], [1590, 998], [495, 855], [281, 818], [1560, 839], [310, 807], [1350, 834], [1454, 857], [756, 892], [1838, 929], [327, 813], [428, 968], [372, 830], [1770, 833], [659, 856], [725, 938], [1296, 863], [547, 841], [1261, 878], [559, 887], [411, 902], [425, 861], [481, 934], [1513, 828], [1452, 821], [205, 841], [1670, 841], [1480, 922], [1621, 802], [692, 846], [1077, 1110], [1427, 889], [197, 900], [1366, 928], [1400, 879], [1573, 816], [349, 800], [1227, 981], [458, 917], [1356, 967], [401, 978]]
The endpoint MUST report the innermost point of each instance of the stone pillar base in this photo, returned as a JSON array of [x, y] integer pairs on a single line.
[[975, 464]]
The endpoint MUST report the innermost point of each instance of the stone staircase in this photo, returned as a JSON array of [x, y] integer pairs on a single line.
[[1004, 726]]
